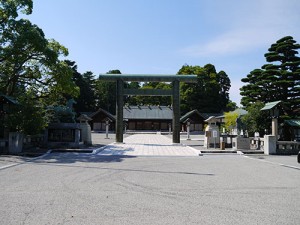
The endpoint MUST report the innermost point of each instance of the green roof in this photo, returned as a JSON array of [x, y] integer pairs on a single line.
[[148, 112], [270, 105], [293, 123]]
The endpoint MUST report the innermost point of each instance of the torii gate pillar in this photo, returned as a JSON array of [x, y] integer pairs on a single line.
[[176, 111], [119, 109]]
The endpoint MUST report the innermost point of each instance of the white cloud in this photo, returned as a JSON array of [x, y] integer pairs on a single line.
[[232, 42], [250, 26]]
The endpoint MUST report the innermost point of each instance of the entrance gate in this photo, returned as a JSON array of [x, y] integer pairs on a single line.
[[174, 92]]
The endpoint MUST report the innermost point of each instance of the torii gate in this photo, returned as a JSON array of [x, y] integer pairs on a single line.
[[174, 92]]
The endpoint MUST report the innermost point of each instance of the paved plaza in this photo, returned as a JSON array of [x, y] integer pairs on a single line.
[[148, 145], [123, 184]]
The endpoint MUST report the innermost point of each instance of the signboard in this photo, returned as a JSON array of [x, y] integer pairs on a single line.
[[215, 133]]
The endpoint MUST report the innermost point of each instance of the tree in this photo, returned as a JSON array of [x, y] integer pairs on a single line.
[[231, 120], [256, 120], [105, 93], [209, 94], [154, 100], [31, 69], [27, 59], [279, 79], [29, 117], [86, 101]]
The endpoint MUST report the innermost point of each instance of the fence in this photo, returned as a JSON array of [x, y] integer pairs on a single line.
[[33, 141], [287, 147]]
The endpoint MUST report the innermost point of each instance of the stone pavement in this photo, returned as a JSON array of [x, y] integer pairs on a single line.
[[147, 145]]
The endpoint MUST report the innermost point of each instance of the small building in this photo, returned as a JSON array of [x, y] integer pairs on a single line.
[[99, 119], [197, 121]]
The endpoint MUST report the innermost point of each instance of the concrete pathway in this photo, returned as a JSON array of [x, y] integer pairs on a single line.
[[148, 145]]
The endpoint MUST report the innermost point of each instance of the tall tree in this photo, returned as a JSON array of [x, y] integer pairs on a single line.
[[256, 120], [209, 94], [105, 93], [27, 59], [31, 69], [86, 101], [279, 79]]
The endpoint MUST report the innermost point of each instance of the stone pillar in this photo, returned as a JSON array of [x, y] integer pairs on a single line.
[[188, 130], [119, 109], [270, 144], [176, 112], [106, 128], [275, 128], [86, 133], [15, 144]]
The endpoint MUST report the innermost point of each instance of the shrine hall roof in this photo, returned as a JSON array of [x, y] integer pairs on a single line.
[[148, 112]]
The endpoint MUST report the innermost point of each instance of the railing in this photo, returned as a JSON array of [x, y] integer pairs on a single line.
[[287, 147], [256, 143], [33, 140]]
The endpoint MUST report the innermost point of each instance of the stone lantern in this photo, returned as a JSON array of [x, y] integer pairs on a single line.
[[212, 134], [85, 129], [273, 109]]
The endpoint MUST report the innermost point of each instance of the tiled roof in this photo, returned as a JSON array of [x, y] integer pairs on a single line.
[[148, 112], [189, 114], [112, 117]]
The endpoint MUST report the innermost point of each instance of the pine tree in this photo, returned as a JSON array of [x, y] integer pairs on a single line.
[[278, 79]]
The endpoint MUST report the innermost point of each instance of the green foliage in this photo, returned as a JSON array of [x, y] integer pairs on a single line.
[[209, 94], [231, 106], [277, 80], [230, 120], [31, 69], [30, 117], [105, 93], [27, 59], [86, 100], [255, 120], [154, 100], [9, 9]]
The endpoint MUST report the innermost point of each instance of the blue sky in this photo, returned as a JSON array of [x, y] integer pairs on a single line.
[[160, 36]]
